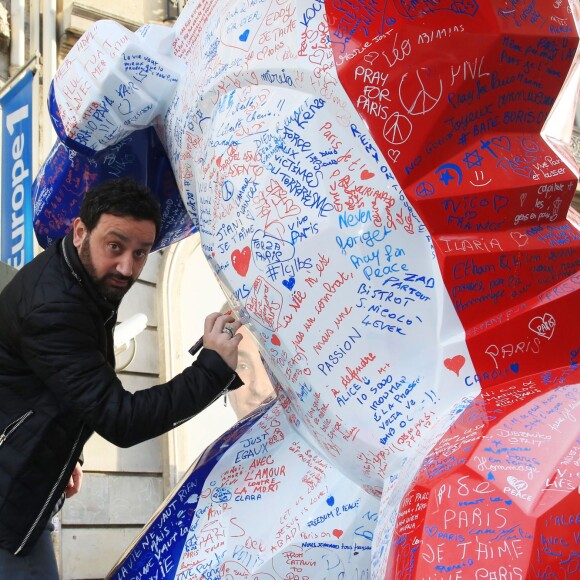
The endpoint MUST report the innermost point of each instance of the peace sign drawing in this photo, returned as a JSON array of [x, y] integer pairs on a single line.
[[415, 95], [397, 129]]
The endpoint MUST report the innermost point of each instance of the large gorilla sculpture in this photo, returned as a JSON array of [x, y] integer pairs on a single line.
[[382, 191]]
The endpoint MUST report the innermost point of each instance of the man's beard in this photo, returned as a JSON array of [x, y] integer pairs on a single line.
[[111, 293]]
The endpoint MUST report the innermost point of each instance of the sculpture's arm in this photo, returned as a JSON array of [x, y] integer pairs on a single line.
[[112, 83], [260, 501]]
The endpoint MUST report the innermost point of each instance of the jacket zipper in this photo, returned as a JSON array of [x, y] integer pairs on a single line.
[[13, 426], [79, 279], [223, 392], [43, 509], [72, 271], [76, 443]]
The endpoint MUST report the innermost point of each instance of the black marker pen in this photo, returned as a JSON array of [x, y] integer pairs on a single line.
[[199, 342]]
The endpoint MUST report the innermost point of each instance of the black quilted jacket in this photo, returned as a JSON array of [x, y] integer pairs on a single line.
[[58, 385]]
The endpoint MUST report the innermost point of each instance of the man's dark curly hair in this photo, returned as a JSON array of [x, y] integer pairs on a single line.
[[122, 198]]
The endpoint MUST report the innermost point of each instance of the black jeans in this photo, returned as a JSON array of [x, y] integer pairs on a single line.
[[39, 564]]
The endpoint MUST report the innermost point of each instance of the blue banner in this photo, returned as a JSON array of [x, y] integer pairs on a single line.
[[16, 233]]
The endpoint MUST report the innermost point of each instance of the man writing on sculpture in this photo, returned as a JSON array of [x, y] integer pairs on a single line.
[[57, 379]]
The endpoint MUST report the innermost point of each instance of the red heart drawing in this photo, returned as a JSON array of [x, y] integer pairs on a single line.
[[543, 325], [337, 533], [502, 142], [275, 340], [241, 260], [517, 484], [371, 57], [394, 154], [365, 174], [218, 161], [520, 239], [455, 364]]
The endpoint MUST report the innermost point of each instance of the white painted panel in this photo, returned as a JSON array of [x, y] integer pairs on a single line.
[[150, 272], [113, 499], [142, 354], [100, 455], [193, 293], [91, 552], [141, 298], [128, 9]]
